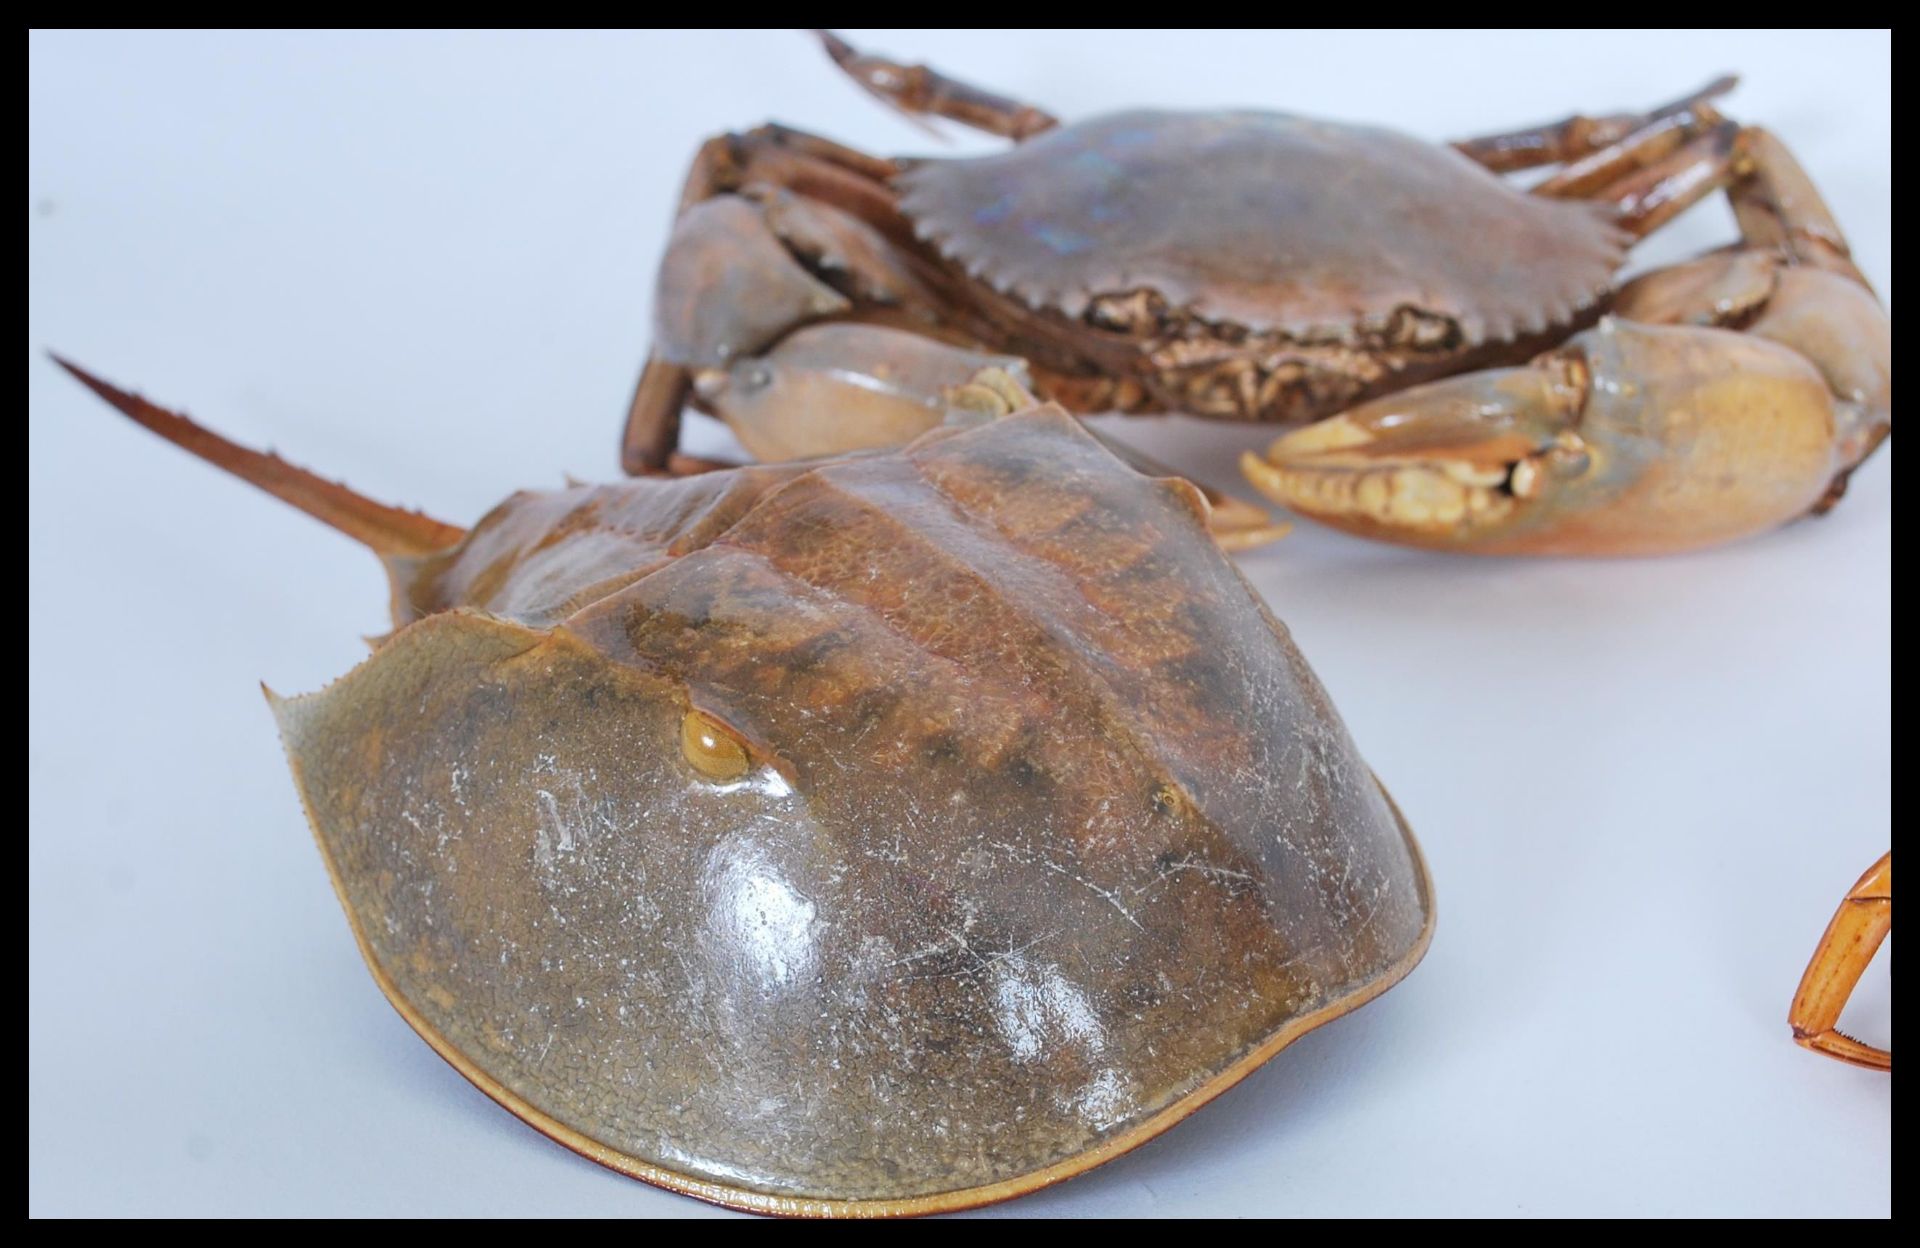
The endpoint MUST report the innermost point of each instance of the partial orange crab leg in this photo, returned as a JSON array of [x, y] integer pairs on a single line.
[[1858, 927]]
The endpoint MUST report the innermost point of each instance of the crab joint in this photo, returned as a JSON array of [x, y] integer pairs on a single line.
[[1845, 951]]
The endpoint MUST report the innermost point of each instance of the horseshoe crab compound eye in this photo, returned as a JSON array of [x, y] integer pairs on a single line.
[[713, 751]]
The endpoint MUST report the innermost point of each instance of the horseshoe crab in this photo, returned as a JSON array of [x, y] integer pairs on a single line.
[[884, 834], [1264, 267]]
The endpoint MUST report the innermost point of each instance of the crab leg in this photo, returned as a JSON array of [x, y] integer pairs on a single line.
[[1778, 206], [1593, 173], [1647, 198], [1845, 951], [1774, 201], [805, 143], [652, 430], [1574, 137], [918, 90]]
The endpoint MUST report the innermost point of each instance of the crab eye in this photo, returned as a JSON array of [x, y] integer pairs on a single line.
[[713, 751]]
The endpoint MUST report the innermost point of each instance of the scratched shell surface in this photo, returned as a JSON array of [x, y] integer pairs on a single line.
[[1267, 221], [1047, 823]]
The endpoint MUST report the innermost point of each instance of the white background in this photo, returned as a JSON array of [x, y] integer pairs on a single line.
[[423, 263]]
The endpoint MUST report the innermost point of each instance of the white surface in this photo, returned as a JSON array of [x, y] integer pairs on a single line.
[[422, 263]]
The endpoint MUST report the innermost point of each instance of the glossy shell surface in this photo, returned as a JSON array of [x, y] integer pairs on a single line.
[[1045, 835], [1267, 221]]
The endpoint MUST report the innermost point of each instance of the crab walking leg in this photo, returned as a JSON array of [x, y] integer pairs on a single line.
[[877, 169], [1656, 173], [1858, 927], [652, 430], [1648, 198], [1593, 173], [1778, 206], [918, 90], [1774, 201], [1573, 137]]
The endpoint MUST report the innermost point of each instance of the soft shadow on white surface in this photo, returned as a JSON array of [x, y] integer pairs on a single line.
[[422, 263]]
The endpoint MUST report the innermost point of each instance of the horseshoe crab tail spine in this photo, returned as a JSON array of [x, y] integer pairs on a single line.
[[385, 530]]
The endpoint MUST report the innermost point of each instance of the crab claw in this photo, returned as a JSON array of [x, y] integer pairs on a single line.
[[836, 388], [1628, 440]]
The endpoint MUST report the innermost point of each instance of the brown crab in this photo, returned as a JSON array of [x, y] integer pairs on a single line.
[[878, 835], [1262, 267]]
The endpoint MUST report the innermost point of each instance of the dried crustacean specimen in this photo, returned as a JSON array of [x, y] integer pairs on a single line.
[[1264, 267], [883, 834]]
